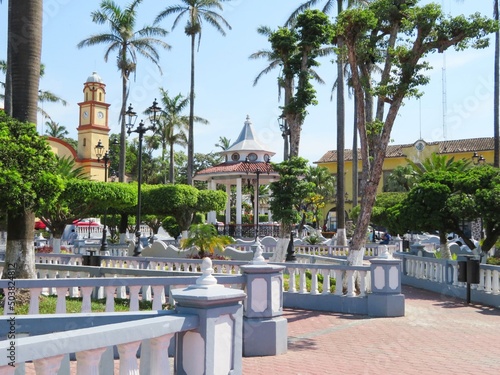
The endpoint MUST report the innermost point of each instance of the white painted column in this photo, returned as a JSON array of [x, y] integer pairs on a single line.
[[48, 366], [88, 361], [159, 355], [212, 216], [228, 204], [238, 201], [128, 358]]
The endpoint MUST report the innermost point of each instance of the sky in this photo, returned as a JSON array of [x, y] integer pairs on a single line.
[[460, 82]]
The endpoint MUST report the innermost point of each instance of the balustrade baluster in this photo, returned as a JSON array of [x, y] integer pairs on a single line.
[[314, 282], [109, 291], [487, 284], [61, 300], [339, 281], [158, 296], [159, 362], [326, 281], [134, 297], [128, 359], [48, 366], [86, 302], [350, 283], [302, 281], [35, 300], [87, 362], [362, 283]]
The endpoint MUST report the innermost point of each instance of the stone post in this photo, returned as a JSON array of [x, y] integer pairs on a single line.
[[386, 299], [264, 328], [216, 346]]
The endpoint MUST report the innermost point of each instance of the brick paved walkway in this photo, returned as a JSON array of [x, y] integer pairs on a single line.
[[437, 335]]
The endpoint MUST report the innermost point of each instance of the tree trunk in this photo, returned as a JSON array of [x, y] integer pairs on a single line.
[[341, 233], [444, 249], [171, 166], [25, 47], [496, 120], [190, 162], [20, 251]]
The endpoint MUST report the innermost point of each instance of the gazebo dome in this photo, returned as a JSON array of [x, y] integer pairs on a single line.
[[94, 77]]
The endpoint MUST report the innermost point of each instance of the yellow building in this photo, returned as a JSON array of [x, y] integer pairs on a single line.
[[396, 155], [92, 127]]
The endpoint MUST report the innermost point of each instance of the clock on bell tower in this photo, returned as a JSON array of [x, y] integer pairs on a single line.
[[93, 123]]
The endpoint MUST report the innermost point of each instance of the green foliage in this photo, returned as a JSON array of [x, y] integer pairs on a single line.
[[27, 167], [171, 226], [290, 191], [206, 239], [181, 201]]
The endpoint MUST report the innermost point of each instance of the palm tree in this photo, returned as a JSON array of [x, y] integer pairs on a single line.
[[206, 239], [496, 94], [171, 127], [196, 11], [127, 42], [223, 143], [43, 96], [55, 130], [23, 73]]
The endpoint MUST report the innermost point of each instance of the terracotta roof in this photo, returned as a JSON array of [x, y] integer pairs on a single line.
[[226, 169], [445, 147]]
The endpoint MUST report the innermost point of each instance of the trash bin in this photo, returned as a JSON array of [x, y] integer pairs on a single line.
[[462, 271], [468, 269], [473, 271], [91, 260]]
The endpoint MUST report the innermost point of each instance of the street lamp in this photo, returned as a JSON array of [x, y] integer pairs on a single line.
[[285, 133], [99, 150], [255, 168], [141, 129], [478, 159]]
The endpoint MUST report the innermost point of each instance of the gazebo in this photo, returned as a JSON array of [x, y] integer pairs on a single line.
[[245, 161]]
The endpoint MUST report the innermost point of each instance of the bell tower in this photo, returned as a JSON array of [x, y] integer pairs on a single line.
[[93, 125]]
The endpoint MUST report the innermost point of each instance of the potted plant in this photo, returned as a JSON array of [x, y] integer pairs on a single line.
[[206, 239]]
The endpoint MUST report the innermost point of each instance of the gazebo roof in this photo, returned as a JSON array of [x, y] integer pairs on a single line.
[[236, 166]]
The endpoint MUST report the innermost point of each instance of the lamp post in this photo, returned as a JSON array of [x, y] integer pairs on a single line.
[[141, 130], [285, 133], [106, 157], [478, 159], [256, 169]]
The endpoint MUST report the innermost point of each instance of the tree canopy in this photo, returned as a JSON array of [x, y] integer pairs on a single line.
[[398, 36]]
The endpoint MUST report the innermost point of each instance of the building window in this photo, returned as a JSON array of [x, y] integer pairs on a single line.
[[252, 156], [84, 142], [235, 157]]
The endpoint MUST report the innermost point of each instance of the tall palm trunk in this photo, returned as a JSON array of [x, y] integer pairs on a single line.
[[171, 166], [25, 46], [355, 158], [341, 234], [496, 126], [123, 129], [191, 118]]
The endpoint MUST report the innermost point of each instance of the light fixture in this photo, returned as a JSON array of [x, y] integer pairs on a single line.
[[141, 130]]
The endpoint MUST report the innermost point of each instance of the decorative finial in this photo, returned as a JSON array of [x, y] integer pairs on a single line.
[[257, 253], [206, 279]]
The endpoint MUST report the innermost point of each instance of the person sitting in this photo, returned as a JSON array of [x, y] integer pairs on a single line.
[[386, 238]]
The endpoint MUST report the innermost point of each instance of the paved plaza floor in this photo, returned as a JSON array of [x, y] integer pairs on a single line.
[[437, 335]]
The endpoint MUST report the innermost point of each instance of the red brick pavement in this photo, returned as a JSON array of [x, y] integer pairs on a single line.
[[437, 335]]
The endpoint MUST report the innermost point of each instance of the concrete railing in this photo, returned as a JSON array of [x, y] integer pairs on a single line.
[[208, 316], [441, 275]]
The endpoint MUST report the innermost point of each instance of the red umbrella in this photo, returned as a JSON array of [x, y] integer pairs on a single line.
[[39, 224], [85, 223]]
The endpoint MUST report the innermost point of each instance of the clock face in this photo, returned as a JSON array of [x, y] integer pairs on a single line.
[[85, 114], [100, 114]]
